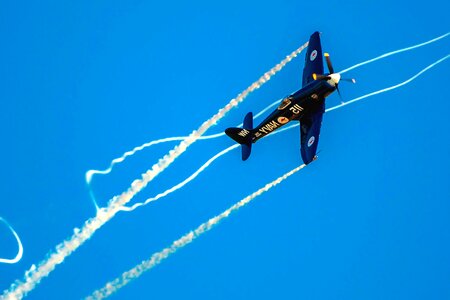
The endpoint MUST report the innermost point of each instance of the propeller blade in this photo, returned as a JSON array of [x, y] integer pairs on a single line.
[[339, 93], [352, 80], [330, 66], [319, 77]]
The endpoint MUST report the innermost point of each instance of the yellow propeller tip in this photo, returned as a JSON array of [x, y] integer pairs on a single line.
[[314, 76], [326, 54]]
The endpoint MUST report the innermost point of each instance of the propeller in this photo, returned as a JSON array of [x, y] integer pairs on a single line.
[[329, 65], [352, 80], [336, 77], [320, 77]]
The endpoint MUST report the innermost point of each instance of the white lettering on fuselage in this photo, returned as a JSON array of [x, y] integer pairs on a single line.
[[296, 109], [269, 127], [243, 132]]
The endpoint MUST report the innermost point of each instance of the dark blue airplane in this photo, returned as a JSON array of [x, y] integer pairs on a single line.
[[306, 105]]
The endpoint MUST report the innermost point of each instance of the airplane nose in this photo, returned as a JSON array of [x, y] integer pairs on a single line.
[[336, 77]]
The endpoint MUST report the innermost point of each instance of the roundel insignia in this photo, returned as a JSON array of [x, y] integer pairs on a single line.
[[311, 141], [313, 55], [282, 120]]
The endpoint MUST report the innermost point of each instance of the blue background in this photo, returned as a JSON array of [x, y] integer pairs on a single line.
[[82, 82]]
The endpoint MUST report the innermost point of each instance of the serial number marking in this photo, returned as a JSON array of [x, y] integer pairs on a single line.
[[296, 109]]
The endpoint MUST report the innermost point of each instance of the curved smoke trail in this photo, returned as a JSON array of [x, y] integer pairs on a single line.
[[156, 258], [19, 244], [394, 52], [36, 273], [91, 173], [116, 284], [183, 183], [223, 152]]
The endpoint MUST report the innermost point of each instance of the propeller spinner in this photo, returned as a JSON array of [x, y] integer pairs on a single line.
[[335, 77]]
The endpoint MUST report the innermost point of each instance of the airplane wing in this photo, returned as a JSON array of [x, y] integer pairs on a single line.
[[310, 125], [313, 59]]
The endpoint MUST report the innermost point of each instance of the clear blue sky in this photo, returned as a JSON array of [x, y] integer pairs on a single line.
[[83, 82]]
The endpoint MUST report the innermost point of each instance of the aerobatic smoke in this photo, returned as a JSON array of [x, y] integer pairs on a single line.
[[223, 152], [90, 173], [156, 258], [196, 134], [113, 286], [35, 274], [394, 52], [391, 87], [19, 254], [183, 183]]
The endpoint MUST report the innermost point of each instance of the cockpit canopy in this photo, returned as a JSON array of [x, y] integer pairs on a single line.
[[284, 103]]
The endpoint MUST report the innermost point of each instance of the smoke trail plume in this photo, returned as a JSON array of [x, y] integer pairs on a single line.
[[196, 134], [374, 93], [183, 183], [113, 286], [223, 152], [394, 52], [156, 258], [91, 173], [19, 243], [36, 273]]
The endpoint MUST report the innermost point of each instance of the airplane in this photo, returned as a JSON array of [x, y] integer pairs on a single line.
[[306, 105]]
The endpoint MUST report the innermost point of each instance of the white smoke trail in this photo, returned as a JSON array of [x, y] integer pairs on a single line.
[[196, 134], [36, 273], [19, 243], [394, 52], [372, 93], [391, 87], [211, 160], [183, 183], [33, 276], [156, 258], [113, 286], [91, 173]]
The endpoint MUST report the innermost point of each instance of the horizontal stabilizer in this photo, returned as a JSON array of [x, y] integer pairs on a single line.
[[243, 136], [239, 135]]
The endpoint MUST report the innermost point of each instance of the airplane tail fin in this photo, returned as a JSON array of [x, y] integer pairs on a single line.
[[243, 136]]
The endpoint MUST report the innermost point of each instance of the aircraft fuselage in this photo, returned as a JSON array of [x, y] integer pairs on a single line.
[[294, 106]]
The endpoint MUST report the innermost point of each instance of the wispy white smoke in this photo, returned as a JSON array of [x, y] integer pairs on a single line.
[[394, 52], [156, 258], [113, 286], [184, 182], [91, 173], [36, 273], [19, 243], [373, 93]]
